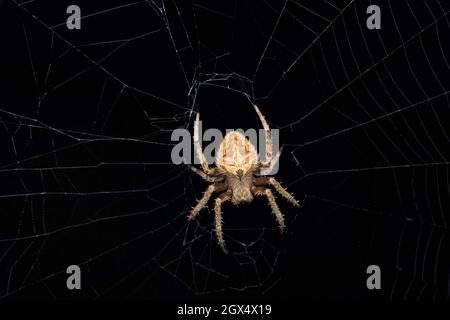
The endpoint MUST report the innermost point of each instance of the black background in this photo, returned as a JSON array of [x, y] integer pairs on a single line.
[[86, 174]]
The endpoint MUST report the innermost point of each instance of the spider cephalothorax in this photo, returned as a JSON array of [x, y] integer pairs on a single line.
[[236, 176]]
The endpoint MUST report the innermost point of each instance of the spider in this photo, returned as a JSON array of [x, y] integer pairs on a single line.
[[237, 177]]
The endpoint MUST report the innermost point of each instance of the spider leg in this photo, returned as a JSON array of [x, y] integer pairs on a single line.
[[262, 191], [267, 169], [220, 186], [217, 187], [268, 138], [282, 191], [202, 202], [223, 197], [202, 174], [197, 146]]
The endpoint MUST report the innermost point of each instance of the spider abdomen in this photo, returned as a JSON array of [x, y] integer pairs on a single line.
[[236, 155]]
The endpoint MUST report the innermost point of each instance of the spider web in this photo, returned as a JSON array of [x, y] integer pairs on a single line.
[[87, 115]]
